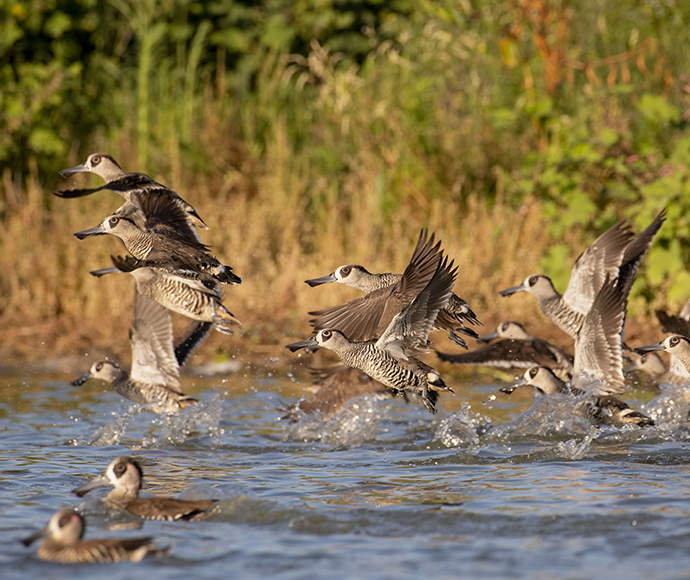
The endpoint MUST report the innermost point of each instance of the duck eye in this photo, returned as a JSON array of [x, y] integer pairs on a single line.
[[119, 469], [95, 160], [64, 520], [644, 358], [674, 341], [99, 366], [326, 334], [114, 221], [505, 326], [346, 271], [533, 280], [533, 372]]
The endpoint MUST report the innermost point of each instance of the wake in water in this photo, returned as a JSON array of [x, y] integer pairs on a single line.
[[192, 421]]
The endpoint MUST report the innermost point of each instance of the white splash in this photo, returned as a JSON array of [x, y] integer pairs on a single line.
[[356, 422]]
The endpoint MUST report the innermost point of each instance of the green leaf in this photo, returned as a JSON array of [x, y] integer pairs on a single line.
[[58, 24], [580, 209], [680, 289], [658, 109], [557, 264], [663, 262], [45, 141]]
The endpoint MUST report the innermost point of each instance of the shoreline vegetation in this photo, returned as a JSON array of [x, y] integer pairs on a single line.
[[309, 135]]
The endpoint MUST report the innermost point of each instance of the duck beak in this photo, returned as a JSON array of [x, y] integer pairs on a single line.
[[521, 382], [323, 280], [72, 170], [488, 337], [513, 290], [96, 231], [104, 271], [31, 539], [100, 481], [309, 345], [82, 379], [650, 348]]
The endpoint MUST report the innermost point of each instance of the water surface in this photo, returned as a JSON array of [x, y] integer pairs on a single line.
[[383, 490]]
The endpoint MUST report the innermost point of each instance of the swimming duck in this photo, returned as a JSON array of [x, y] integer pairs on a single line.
[[125, 475], [602, 409], [64, 544]]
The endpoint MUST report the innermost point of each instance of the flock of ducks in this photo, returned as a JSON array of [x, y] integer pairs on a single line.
[[379, 337], [173, 271]]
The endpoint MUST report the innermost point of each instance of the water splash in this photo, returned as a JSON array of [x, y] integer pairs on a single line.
[[204, 416], [175, 429], [550, 415], [669, 409], [458, 429], [356, 422], [111, 433], [576, 449]]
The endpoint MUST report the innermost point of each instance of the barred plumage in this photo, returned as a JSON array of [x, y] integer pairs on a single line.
[[187, 295], [165, 240], [607, 409], [615, 255], [402, 318], [64, 544], [450, 318]]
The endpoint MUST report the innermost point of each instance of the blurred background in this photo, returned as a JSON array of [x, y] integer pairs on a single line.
[[314, 133]]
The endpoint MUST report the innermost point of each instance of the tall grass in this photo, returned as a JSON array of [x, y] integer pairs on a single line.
[[327, 162]]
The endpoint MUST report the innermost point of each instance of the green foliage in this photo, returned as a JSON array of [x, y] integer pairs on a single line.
[[369, 116]]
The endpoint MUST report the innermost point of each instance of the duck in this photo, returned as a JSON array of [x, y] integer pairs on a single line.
[[598, 362], [164, 241], [155, 374], [336, 386], [390, 359], [516, 348], [616, 254], [451, 318], [125, 474], [676, 345], [131, 186], [367, 318], [64, 544], [191, 296], [604, 409]]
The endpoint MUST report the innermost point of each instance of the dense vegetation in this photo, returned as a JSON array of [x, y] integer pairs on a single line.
[[311, 133]]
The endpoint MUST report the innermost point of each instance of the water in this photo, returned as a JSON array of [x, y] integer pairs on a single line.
[[384, 490]]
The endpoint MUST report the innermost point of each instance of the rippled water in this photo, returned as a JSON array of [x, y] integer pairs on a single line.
[[383, 490]]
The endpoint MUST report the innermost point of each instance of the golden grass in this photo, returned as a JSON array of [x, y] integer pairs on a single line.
[[49, 296], [357, 190]]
